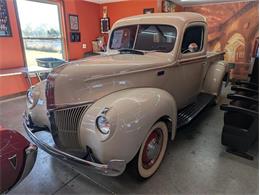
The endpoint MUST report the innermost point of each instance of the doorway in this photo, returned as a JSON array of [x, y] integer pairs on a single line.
[[40, 23]]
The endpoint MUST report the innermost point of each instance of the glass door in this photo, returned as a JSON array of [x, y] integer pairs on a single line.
[[41, 30]]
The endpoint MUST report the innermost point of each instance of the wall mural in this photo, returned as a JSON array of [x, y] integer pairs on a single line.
[[233, 28]]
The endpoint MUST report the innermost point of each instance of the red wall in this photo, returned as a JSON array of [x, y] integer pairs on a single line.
[[89, 27], [118, 10], [10, 85], [11, 55]]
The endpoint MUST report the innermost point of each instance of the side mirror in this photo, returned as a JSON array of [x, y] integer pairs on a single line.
[[193, 47]]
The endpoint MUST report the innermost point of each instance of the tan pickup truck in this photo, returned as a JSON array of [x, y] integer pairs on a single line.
[[105, 112]]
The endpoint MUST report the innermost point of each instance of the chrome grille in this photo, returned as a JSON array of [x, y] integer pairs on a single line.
[[67, 122]]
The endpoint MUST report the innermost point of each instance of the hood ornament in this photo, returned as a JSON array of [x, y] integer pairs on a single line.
[[105, 110]]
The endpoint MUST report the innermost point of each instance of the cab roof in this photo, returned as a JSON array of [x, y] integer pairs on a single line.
[[177, 18]]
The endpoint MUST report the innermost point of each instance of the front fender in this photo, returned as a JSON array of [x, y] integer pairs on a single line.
[[38, 113], [214, 77], [131, 113]]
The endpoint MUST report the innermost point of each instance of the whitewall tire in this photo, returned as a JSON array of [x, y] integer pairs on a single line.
[[151, 153]]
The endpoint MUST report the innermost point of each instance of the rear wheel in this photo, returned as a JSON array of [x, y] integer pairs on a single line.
[[152, 151]]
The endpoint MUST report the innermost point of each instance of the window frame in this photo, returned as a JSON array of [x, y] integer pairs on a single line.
[[202, 44], [62, 26]]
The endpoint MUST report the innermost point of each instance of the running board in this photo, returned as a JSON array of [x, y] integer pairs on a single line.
[[191, 111]]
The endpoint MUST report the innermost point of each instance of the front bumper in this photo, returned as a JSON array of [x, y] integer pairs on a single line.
[[112, 168]]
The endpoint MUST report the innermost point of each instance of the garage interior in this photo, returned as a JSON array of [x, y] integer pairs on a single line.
[[195, 162]]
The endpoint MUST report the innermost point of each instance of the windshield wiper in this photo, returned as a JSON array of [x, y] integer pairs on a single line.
[[131, 51]]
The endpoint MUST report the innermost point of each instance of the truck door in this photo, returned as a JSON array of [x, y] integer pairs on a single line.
[[192, 59]]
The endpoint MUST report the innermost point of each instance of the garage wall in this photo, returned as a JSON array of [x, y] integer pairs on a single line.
[[89, 27], [121, 9], [11, 56], [118, 10], [10, 47], [11, 85], [11, 53], [233, 28]]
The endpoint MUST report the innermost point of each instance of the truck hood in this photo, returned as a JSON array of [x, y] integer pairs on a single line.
[[92, 78], [100, 66]]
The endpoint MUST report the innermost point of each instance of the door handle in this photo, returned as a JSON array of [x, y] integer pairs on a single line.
[[160, 73]]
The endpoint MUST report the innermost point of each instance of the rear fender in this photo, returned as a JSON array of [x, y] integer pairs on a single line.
[[214, 77]]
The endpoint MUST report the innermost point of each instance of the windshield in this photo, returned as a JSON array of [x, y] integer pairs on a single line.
[[144, 37]]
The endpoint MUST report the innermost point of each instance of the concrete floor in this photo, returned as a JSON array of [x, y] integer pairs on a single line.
[[195, 163]]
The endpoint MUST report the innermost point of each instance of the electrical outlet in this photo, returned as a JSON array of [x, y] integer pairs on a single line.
[[84, 45]]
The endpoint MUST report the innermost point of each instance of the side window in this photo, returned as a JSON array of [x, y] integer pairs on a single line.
[[193, 39]]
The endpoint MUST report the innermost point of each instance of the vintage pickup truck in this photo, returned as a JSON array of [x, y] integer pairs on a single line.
[[105, 112]]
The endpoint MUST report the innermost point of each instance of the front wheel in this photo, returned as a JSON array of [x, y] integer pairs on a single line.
[[152, 151]]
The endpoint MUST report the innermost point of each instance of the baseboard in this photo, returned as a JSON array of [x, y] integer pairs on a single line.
[[12, 95]]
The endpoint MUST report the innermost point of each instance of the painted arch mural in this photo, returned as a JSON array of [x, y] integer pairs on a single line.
[[233, 28]]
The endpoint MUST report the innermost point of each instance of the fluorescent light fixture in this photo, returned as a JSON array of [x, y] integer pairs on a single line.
[[197, 2], [104, 1]]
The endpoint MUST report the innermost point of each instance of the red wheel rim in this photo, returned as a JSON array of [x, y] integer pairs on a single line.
[[152, 148]]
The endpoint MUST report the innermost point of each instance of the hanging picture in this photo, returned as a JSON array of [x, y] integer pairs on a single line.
[[5, 29], [75, 36], [105, 26], [168, 6], [74, 22], [148, 10]]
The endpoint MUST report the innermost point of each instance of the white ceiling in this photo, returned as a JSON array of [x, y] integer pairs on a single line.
[[180, 2], [104, 1], [200, 2]]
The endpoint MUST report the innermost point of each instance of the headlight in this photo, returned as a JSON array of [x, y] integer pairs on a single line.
[[30, 96], [103, 125]]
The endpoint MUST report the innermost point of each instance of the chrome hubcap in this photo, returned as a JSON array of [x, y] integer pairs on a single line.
[[152, 148]]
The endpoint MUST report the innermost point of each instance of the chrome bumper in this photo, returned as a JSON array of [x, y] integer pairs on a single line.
[[112, 168]]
